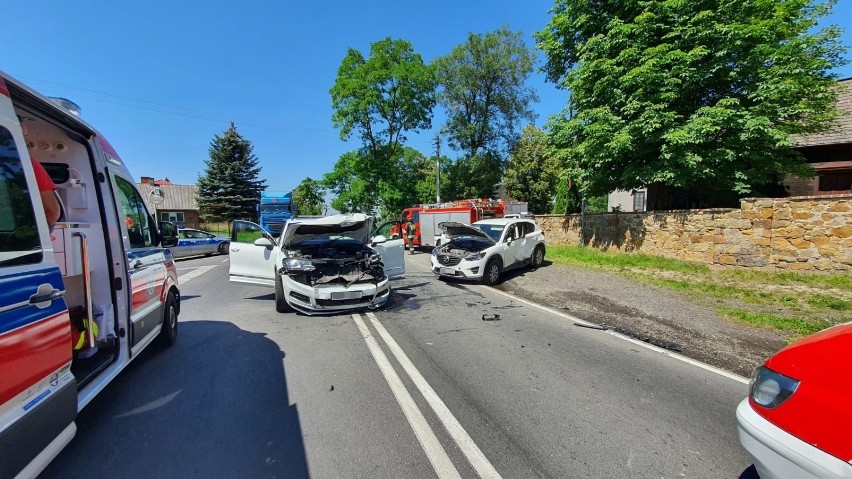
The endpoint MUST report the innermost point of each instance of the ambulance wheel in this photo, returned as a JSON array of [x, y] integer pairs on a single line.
[[281, 305], [492, 272], [168, 334]]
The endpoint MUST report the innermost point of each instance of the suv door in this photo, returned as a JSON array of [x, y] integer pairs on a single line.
[[515, 245], [392, 249], [252, 263], [38, 393]]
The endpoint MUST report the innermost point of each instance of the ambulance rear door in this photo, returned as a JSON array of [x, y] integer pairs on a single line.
[[38, 393]]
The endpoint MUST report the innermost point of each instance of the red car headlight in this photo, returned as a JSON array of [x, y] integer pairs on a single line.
[[769, 388]]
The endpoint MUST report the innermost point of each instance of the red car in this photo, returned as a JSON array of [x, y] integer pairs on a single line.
[[797, 420]]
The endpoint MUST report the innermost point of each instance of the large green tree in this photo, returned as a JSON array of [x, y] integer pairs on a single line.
[[309, 197], [484, 92], [532, 172], [378, 99], [701, 94], [230, 186]]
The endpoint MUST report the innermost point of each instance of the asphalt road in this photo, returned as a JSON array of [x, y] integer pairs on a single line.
[[422, 388]]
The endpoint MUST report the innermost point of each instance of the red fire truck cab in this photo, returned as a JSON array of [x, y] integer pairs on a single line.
[[427, 217]]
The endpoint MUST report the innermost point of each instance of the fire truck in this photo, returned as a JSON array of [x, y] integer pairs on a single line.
[[427, 217]]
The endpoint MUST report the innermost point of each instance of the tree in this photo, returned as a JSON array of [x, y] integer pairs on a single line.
[[309, 197], [379, 99], [230, 186], [532, 171], [703, 95], [483, 89]]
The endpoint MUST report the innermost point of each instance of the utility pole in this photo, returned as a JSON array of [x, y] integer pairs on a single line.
[[438, 168]]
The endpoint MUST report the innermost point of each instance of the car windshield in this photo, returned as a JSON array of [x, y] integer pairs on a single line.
[[493, 231]]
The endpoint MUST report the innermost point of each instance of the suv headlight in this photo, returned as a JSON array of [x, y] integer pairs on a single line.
[[475, 256], [770, 389], [293, 264]]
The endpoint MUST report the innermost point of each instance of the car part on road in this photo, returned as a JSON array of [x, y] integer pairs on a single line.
[[634, 335], [491, 317]]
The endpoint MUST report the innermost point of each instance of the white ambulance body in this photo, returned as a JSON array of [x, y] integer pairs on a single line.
[[78, 303]]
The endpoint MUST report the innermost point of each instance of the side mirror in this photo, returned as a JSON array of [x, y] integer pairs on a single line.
[[379, 239], [168, 234], [265, 242]]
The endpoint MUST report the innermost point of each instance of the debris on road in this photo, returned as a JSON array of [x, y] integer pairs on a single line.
[[331, 388], [491, 317], [592, 326]]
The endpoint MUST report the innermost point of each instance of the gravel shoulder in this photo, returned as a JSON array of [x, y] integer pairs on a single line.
[[648, 311]]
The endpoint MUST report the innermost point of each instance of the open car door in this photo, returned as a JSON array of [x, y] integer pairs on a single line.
[[388, 242], [253, 254]]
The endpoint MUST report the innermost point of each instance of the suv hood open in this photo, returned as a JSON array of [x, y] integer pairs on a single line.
[[457, 230], [356, 226]]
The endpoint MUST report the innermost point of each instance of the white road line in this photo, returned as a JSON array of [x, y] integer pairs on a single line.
[[477, 459], [434, 451], [183, 279], [226, 260], [705, 366]]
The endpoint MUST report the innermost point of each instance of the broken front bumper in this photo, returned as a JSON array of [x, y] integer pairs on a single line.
[[334, 298], [464, 269]]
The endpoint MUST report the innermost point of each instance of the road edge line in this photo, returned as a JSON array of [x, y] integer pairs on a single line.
[[680, 357]]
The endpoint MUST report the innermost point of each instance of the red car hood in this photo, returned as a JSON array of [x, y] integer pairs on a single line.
[[820, 411]]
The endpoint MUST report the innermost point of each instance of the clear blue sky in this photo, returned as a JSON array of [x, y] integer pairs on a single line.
[[160, 78]]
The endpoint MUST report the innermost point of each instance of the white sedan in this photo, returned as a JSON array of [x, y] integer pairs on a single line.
[[487, 248], [320, 265]]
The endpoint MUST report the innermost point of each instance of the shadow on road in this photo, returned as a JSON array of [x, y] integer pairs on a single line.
[[170, 415]]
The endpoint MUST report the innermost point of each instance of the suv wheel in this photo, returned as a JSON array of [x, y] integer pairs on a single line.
[[492, 272]]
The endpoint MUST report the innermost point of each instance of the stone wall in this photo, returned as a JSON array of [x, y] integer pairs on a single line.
[[803, 233]]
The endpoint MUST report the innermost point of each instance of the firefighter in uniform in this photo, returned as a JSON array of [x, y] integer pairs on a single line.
[[411, 231]]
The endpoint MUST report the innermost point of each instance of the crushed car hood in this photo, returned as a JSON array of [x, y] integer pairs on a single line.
[[356, 226], [458, 230]]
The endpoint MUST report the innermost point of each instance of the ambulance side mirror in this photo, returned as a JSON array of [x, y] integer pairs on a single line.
[[168, 234]]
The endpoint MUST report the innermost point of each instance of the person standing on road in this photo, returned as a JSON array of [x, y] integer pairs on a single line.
[[411, 231]]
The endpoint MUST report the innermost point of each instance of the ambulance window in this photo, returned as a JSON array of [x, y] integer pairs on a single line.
[[135, 215], [19, 240]]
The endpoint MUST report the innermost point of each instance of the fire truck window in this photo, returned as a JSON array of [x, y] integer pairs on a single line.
[[416, 217], [135, 215], [19, 239]]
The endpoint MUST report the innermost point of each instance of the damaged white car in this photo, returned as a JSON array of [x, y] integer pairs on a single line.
[[320, 265], [487, 248]]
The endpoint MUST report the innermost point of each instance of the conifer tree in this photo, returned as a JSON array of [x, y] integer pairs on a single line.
[[230, 187]]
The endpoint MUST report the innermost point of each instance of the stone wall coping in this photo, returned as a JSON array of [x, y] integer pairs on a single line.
[[838, 196]]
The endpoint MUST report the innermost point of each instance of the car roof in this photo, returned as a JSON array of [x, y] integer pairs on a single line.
[[502, 221]]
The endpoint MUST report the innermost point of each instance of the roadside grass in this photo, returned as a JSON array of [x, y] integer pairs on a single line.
[[222, 228], [793, 304]]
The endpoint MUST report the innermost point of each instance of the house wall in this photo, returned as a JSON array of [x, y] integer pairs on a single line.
[[803, 233]]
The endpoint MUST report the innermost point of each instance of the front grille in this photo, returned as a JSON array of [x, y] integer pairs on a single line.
[[344, 302], [448, 260], [299, 296]]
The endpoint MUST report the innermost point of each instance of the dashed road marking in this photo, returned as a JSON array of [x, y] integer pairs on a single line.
[[183, 279]]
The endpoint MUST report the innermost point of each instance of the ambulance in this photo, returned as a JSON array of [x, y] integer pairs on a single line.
[[78, 300]]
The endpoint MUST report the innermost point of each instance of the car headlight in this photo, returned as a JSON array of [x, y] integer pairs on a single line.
[[475, 256], [770, 389], [434, 251], [293, 264]]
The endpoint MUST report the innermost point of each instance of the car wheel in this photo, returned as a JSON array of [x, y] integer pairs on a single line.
[[537, 258], [281, 305], [168, 333], [223, 248], [492, 272]]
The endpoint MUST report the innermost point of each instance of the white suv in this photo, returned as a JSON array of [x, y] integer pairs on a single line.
[[485, 249]]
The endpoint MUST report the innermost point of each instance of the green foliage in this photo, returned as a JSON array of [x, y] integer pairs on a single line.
[[486, 99], [308, 197], [692, 94], [379, 98], [230, 187], [484, 92], [597, 204], [361, 186], [532, 171]]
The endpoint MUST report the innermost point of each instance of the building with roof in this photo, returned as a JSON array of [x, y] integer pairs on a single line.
[[179, 206], [829, 153]]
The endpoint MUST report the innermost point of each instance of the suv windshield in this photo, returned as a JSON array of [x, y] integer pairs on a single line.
[[493, 231]]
